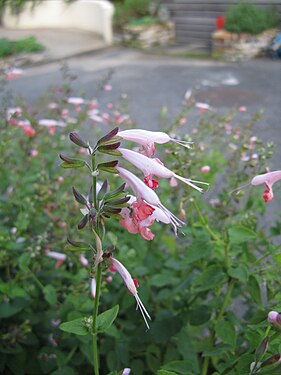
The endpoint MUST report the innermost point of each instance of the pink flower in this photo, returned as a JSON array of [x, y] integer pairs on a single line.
[[33, 153], [64, 113], [182, 121], [205, 169], [51, 123], [76, 101], [126, 371], [93, 104], [53, 105], [153, 167], [274, 318], [93, 287], [202, 106], [140, 220], [131, 284], [84, 261], [173, 182], [13, 73], [109, 105], [13, 112], [60, 179], [109, 279], [268, 179], [29, 131], [242, 109], [60, 258], [147, 138], [107, 88], [144, 193]]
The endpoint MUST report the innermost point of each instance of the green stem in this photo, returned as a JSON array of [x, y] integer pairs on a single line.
[[205, 223], [94, 165], [206, 361], [37, 281], [95, 314]]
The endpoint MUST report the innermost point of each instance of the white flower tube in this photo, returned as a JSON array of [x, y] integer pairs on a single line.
[[151, 167], [130, 284]]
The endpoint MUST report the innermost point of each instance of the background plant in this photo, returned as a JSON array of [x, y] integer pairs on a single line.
[[208, 291], [248, 18]]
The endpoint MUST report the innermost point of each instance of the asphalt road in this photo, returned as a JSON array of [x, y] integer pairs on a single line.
[[155, 81]]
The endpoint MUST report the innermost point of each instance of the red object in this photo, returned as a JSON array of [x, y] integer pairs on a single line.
[[220, 21]]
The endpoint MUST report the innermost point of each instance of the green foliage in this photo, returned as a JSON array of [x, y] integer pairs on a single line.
[[128, 10], [248, 18], [204, 290], [27, 45]]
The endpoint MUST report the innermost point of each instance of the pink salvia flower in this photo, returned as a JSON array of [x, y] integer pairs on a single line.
[[93, 287], [274, 318], [152, 167], [51, 123], [60, 258], [84, 261], [76, 101], [131, 286], [205, 169], [143, 192], [268, 179], [147, 138]]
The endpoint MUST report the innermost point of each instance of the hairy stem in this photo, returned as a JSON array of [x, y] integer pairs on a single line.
[[205, 223]]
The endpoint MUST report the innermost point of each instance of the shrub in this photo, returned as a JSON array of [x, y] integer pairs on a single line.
[[248, 18], [128, 10]]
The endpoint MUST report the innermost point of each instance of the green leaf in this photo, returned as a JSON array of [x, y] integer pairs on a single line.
[[210, 278], [77, 164], [179, 367], [11, 308], [254, 290], [76, 326], [217, 350], [239, 234], [165, 372], [50, 294], [163, 280], [239, 273], [199, 315], [200, 248], [226, 332], [105, 320]]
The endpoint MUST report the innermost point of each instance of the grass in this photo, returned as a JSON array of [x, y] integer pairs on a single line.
[[27, 45]]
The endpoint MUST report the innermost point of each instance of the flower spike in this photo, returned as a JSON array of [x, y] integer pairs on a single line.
[[143, 192], [130, 284]]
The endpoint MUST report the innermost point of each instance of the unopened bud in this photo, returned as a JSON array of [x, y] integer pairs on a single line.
[[273, 360], [75, 138], [274, 318], [262, 348]]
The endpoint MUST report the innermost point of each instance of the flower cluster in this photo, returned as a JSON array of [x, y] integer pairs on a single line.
[[145, 206]]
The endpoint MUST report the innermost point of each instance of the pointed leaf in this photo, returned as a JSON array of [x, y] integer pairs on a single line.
[[114, 193], [50, 294], [75, 326], [105, 320], [78, 244]]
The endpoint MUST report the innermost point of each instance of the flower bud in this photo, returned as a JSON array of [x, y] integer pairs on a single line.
[[75, 138], [274, 318]]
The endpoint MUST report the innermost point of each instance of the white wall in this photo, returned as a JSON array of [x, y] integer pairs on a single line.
[[89, 15]]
